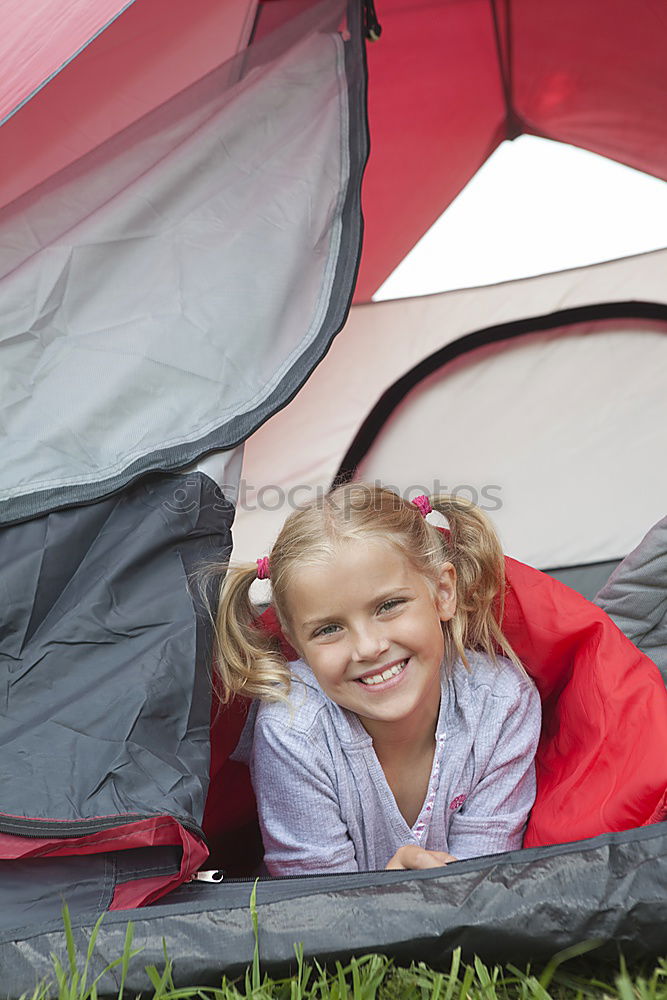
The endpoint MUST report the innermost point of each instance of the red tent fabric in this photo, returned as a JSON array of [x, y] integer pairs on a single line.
[[448, 81], [602, 760], [76, 72]]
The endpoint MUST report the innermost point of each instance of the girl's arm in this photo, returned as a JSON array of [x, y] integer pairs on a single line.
[[299, 812], [494, 816]]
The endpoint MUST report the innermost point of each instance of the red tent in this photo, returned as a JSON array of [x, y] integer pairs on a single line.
[[140, 215], [448, 82]]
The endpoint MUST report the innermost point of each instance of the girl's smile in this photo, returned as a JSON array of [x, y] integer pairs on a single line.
[[382, 677], [369, 626]]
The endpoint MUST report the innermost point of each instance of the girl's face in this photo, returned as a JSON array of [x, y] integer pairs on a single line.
[[369, 626]]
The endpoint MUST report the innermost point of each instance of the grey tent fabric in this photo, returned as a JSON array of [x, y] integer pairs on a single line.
[[586, 580], [635, 595], [106, 696], [98, 614], [519, 907], [169, 291], [87, 883]]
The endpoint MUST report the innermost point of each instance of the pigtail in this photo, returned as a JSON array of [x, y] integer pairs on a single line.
[[247, 658], [474, 549]]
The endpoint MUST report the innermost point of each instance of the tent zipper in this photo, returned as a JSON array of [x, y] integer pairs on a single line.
[[372, 27], [217, 876]]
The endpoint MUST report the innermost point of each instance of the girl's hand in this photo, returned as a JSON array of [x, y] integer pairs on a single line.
[[410, 857]]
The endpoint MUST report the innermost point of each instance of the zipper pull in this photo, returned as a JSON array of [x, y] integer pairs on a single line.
[[209, 876], [372, 27]]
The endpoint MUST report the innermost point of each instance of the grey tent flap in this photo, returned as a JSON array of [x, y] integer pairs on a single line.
[[166, 293], [523, 906], [106, 694], [104, 709], [635, 595]]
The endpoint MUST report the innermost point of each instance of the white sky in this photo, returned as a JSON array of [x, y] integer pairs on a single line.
[[535, 206]]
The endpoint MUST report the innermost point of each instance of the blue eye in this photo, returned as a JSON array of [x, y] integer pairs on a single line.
[[326, 630], [391, 604]]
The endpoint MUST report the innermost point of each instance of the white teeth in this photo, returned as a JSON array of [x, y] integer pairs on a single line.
[[385, 675]]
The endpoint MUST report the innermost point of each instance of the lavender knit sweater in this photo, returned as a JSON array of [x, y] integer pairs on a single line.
[[324, 802]]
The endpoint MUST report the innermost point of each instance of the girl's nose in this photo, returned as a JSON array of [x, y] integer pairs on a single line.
[[369, 643]]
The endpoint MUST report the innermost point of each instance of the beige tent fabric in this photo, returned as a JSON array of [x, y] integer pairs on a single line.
[[571, 426]]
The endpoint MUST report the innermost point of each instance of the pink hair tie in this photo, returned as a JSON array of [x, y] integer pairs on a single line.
[[423, 504], [263, 568]]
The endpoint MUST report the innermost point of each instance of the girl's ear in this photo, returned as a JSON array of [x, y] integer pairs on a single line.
[[446, 592]]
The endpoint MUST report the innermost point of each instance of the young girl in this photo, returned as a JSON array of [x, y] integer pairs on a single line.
[[398, 738]]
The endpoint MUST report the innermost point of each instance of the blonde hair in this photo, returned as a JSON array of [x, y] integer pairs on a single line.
[[249, 660]]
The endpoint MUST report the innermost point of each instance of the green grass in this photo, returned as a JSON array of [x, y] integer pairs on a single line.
[[371, 977]]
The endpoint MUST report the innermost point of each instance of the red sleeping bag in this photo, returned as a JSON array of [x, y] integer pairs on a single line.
[[602, 760]]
